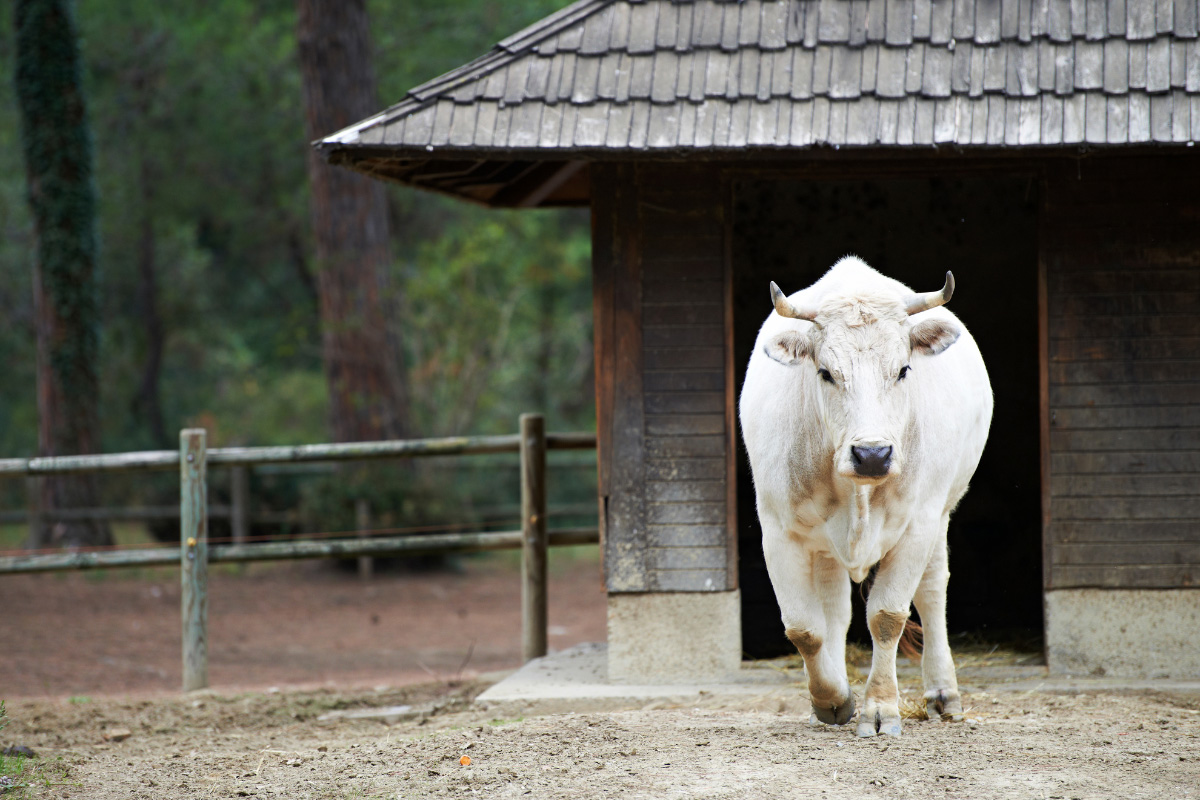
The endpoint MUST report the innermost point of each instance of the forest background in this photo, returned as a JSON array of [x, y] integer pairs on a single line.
[[206, 250]]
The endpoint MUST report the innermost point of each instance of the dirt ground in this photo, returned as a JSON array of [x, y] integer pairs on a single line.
[[283, 624], [217, 744], [103, 715]]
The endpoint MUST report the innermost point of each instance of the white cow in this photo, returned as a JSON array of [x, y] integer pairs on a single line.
[[865, 410]]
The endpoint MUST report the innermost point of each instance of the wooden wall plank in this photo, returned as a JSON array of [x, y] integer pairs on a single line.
[[1139, 576], [1129, 348], [1127, 439], [1123, 280], [1118, 531], [1102, 326], [682, 336], [1131, 394], [1129, 463], [684, 424], [685, 469], [684, 314], [695, 381], [1123, 372], [685, 403], [1122, 554], [685, 358], [687, 535], [1148, 507], [673, 266], [1122, 367], [1123, 417], [685, 446], [685, 491], [1150, 486], [674, 292], [1123, 304], [687, 558], [686, 513]]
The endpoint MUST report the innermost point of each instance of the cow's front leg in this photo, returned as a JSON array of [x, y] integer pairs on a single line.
[[942, 698], [887, 611], [813, 592]]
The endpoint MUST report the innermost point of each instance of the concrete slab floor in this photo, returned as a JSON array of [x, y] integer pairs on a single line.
[[575, 680]]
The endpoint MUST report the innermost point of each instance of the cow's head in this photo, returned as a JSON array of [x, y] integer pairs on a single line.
[[862, 348]]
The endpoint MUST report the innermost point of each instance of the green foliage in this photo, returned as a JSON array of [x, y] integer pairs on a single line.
[[199, 162], [498, 321], [400, 499], [22, 777]]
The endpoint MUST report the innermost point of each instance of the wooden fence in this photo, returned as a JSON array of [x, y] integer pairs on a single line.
[[195, 553]]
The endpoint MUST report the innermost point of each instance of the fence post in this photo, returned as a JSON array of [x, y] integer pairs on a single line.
[[239, 501], [362, 519], [37, 530], [193, 536], [533, 535]]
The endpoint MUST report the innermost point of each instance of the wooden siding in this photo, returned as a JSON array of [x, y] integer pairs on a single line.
[[1122, 281], [662, 353]]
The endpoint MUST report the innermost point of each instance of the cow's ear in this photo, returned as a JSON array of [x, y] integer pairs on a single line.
[[789, 347], [933, 336]]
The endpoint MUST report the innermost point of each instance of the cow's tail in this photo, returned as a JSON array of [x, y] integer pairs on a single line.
[[912, 641]]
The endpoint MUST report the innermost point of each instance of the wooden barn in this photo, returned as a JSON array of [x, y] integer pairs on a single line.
[[1041, 149]]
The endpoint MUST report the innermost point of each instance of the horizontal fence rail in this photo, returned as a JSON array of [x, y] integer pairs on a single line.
[[195, 552], [166, 460], [222, 511], [377, 547]]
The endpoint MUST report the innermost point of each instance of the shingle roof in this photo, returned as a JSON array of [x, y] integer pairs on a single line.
[[647, 75]]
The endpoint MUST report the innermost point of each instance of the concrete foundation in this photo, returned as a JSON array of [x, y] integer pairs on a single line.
[[1124, 633], [674, 637]]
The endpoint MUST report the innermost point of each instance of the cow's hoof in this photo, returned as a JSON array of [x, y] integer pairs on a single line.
[[879, 718], [834, 715], [945, 704]]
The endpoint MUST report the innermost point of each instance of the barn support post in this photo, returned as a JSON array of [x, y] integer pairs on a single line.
[[533, 536], [193, 540]]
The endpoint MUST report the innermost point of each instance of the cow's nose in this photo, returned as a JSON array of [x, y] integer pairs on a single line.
[[871, 462]]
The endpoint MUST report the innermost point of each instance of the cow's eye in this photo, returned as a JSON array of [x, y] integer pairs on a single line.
[[903, 371], [825, 376]]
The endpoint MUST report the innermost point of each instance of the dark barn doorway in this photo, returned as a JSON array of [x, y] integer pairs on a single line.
[[984, 228]]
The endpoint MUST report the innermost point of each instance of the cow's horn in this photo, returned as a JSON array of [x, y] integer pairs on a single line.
[[916, 303], [784, 307]]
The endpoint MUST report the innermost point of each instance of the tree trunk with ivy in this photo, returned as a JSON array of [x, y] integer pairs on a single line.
[[56, 143], [363, 360]]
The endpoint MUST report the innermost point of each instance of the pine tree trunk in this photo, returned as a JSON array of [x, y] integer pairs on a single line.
[[58, 160], [363, 366], [147, 402]]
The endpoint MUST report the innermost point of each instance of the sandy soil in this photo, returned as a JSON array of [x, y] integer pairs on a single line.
[[111, 726], [1020, 745]]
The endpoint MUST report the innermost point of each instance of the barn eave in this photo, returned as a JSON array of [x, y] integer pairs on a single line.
[[531, 177]]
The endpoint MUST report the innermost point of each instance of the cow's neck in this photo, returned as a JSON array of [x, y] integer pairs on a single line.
[[857, 543]]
